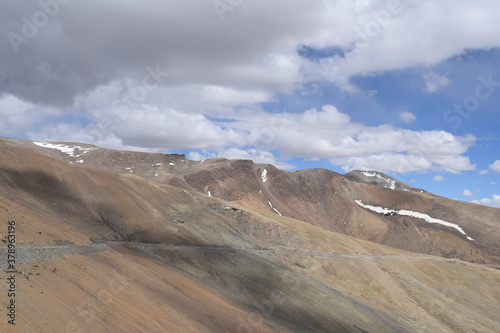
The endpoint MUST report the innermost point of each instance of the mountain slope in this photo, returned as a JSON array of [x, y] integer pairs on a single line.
[[320, 197], [103, 251]]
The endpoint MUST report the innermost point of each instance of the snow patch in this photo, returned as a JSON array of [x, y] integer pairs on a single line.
[[403, 212], [157, 164], [391, 184], [369, 174], [79, 161], [171, 163], [271, 205], [69, 150], [263, 175], [208, 191]]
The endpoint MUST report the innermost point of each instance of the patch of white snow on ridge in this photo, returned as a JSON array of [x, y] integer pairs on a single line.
[[376, 209], [69, 150], [277, 212], [264, 175], [369, 174], [171, 163], [391, 184], [270, 204], [157, 164], [410, 213]]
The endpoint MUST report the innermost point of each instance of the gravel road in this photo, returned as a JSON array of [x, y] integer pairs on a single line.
[[26, 254]]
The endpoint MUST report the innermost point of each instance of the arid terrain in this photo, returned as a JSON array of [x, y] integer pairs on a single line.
[[115, 241]]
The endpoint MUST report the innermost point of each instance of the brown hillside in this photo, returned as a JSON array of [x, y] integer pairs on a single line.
[[319, 197], [101, 251]]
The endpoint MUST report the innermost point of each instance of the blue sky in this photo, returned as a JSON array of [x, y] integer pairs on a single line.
[[409, 88]]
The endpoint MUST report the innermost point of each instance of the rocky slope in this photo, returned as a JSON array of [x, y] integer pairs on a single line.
[[320, 197], [104, 249]]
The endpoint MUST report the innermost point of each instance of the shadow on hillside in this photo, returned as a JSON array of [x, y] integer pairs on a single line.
[[271, 290], [38, 184]]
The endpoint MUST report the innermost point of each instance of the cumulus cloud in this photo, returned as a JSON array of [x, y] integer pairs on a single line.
[[326, 133], [435, 82], [407, 117], [438, 178], [494, 201], [392, 45], [495, 166], [467, 193], [484, 172], [87, 44], [172, 75], [329, 133], [18, 115]]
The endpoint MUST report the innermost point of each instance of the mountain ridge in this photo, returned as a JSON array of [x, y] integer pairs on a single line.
[[106, 251], [318, 196]]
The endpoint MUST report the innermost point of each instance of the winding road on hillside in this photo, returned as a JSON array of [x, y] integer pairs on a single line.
[[25, 254]]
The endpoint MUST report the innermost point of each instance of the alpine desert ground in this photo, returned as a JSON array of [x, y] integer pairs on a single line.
[[117, 241]]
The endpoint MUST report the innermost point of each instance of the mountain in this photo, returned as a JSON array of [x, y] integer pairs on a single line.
[[115, 241], [320, 197]]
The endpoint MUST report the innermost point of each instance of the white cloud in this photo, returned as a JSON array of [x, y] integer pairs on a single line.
[[407, 117], [393, 46], [467, 193], [219, 72], [79, 50], [493, 183], [326, 133], [435, 82], [200, 156], [438, 178], [484, 172], [495, 166], [494, 201], [151, 127], [18, 115]]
